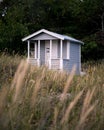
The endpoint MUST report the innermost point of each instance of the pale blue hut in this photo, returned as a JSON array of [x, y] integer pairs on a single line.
[[56, 51]]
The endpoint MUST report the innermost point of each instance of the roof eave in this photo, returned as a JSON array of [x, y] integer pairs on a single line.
[[40, 31], [32, 35], [81, 42]]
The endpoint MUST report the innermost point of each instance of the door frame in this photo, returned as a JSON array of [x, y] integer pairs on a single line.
[[47, 53]]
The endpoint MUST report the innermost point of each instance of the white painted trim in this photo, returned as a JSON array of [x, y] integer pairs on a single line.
[[61, 55], [50, 54], [35, 50], [68, 50], [61, 49], [38, 52], [28, 48], [59, 36]]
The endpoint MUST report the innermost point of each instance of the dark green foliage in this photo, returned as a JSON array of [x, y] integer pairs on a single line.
[[79, 18]]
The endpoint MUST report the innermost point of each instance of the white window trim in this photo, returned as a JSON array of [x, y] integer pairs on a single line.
[[61, 54], [38, 52], [68, 50], [35, 50], [50, 54]]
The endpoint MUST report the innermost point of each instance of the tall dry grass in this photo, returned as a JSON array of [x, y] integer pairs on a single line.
[[8, 66], [40, 99]]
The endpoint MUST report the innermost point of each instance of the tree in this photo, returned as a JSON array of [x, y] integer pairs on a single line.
[[12, 28], [80, 18]]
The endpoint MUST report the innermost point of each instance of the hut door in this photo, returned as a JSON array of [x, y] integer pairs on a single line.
[[47, 53]]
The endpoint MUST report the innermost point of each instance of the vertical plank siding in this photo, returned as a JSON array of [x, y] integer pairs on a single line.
[[54, 49], [64, 49], [42, 52]]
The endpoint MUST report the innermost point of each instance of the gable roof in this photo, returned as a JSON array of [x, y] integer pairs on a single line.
[[56, 35]]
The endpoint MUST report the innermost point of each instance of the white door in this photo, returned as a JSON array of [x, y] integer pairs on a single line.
[[55, 49], [47, 53]]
